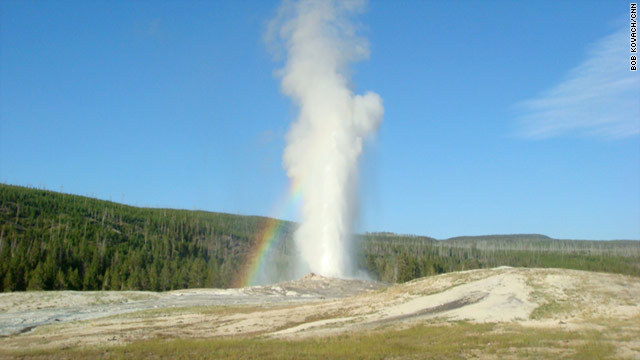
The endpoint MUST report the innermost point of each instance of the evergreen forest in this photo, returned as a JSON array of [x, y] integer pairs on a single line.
[[55, 241]]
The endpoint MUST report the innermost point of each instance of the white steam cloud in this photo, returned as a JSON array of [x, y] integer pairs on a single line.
[[324, 143]]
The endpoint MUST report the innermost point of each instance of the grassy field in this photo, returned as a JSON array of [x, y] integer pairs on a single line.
[[444, 341]]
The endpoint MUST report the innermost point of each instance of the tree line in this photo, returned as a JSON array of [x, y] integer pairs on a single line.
[[398, 258], [55, 241]]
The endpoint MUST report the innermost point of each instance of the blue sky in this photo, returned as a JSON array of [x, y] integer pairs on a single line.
[[500, 117]]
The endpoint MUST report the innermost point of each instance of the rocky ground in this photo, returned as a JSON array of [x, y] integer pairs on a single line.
[[317, 306]]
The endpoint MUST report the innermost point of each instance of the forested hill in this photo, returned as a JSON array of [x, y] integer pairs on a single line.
[[537, 242], [50, 240], [393, 258]]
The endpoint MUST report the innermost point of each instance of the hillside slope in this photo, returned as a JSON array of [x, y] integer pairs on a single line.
[[50, 240], [487, 313]]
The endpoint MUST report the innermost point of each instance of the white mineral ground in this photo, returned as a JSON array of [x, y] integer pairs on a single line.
[[318, 306]]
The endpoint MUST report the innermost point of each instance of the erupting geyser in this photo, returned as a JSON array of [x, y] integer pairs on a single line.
[[325, 141]]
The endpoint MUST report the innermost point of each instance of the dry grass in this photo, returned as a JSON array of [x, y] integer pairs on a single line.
[[569, 314], [459, 340]]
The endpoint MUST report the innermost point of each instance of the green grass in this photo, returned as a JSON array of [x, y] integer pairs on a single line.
[[551, 308], [550, 305], [457, 341]]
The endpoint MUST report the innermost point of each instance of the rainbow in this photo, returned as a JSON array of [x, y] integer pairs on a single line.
[[271, 231]]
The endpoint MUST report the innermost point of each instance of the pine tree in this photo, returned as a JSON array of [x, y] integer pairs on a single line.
[[36, 281]]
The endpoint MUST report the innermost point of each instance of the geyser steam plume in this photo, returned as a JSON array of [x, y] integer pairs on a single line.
[[325, 141]]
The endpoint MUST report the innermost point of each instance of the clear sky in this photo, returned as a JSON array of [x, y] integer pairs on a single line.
[[500, 116]]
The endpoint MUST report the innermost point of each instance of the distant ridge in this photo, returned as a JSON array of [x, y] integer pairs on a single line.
[[479, 238], [501, 237]]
